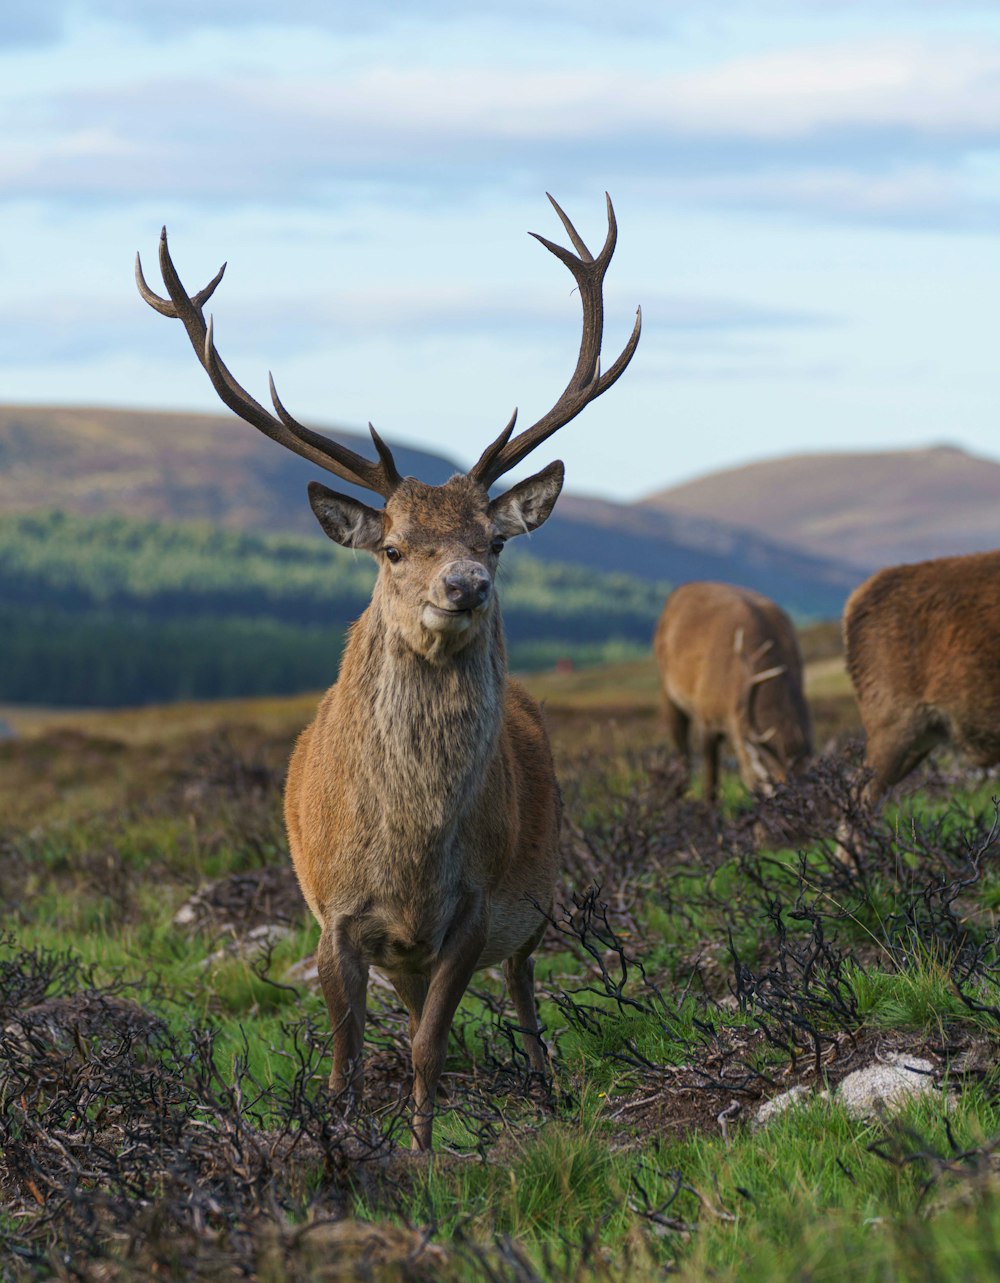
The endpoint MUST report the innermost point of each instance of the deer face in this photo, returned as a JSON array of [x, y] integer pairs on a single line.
[[765, 761], [780, 750], [437, 549], [773, 721]]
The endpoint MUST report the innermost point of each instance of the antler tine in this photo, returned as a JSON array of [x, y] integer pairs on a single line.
[[768, 674], [754, 683], [487, 459], [385, 454], [384, 472], [573, 234], [610, 241], [382, 477], [766, 645], [587, 382], [163, 305]]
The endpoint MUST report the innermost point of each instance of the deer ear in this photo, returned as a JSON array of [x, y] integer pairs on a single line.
[[345, 520], [525, 506]]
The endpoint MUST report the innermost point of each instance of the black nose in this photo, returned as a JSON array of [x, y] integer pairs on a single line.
[[467, 587]]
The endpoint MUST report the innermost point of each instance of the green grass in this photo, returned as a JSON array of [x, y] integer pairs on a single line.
[[918, 995], [624, 1170]]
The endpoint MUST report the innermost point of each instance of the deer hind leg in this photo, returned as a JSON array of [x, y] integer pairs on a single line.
[[710, 744], [343, 976], [449, 980], [519, 972], [679, 730], [894, 750]]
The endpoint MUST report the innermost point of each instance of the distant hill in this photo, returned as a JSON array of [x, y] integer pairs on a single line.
[[674, 546], [868, 509], [168, 467], [182, 467]]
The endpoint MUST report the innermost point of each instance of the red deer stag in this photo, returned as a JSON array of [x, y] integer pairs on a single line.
[[923, 653], [730, 663], [421, 803]]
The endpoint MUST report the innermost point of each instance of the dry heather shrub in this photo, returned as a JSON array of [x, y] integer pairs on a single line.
[[349, 1251]]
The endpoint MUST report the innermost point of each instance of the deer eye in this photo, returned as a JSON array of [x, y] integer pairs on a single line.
[[393, 554], [497, 545]]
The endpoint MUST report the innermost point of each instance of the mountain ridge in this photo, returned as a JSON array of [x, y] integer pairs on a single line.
[[175, 466], [866, 508]]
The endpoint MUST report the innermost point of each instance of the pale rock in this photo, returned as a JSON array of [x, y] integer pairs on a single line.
[[305, 972], [777, 1105], [885, 1085], [250, 946]]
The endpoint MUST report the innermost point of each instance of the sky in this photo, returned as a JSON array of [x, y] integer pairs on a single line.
[[807, 193]]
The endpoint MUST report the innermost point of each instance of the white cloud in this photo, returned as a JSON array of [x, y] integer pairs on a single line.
[[935, 91], [917, 195], [869, 131], [907, 85]]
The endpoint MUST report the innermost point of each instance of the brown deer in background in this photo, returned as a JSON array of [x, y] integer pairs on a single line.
[[923, 652], [421, 803], [730, 664]]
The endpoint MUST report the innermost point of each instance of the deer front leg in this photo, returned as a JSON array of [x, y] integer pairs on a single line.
[[343, 975], [450, 978], [413, 991]]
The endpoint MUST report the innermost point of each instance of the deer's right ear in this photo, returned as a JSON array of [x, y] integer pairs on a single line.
[[345, 520]]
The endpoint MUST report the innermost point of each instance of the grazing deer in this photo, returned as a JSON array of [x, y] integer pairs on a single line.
[[729, 662], [923, 654], [422, 805]]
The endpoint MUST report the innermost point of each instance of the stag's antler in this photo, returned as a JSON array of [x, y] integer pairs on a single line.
[[382, 477], [587, 382], [754, 682]]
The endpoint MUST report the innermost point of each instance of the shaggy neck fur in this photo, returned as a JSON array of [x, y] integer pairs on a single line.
[[431, 725]]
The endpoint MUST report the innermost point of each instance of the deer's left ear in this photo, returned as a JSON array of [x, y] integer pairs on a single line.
[[525, 506]]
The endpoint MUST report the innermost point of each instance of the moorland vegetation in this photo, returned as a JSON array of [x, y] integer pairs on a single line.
[[164, 1051]]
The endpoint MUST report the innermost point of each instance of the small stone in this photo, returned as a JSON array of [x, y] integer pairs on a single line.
[[250, 946], [304, 972], [777, 1105], [885, 1085]]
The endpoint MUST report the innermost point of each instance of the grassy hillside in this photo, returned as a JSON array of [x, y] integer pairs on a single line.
[[872, 509], [110, 610], [168, 467]]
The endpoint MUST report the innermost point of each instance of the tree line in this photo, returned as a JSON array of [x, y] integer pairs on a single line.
[[112, 610]]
